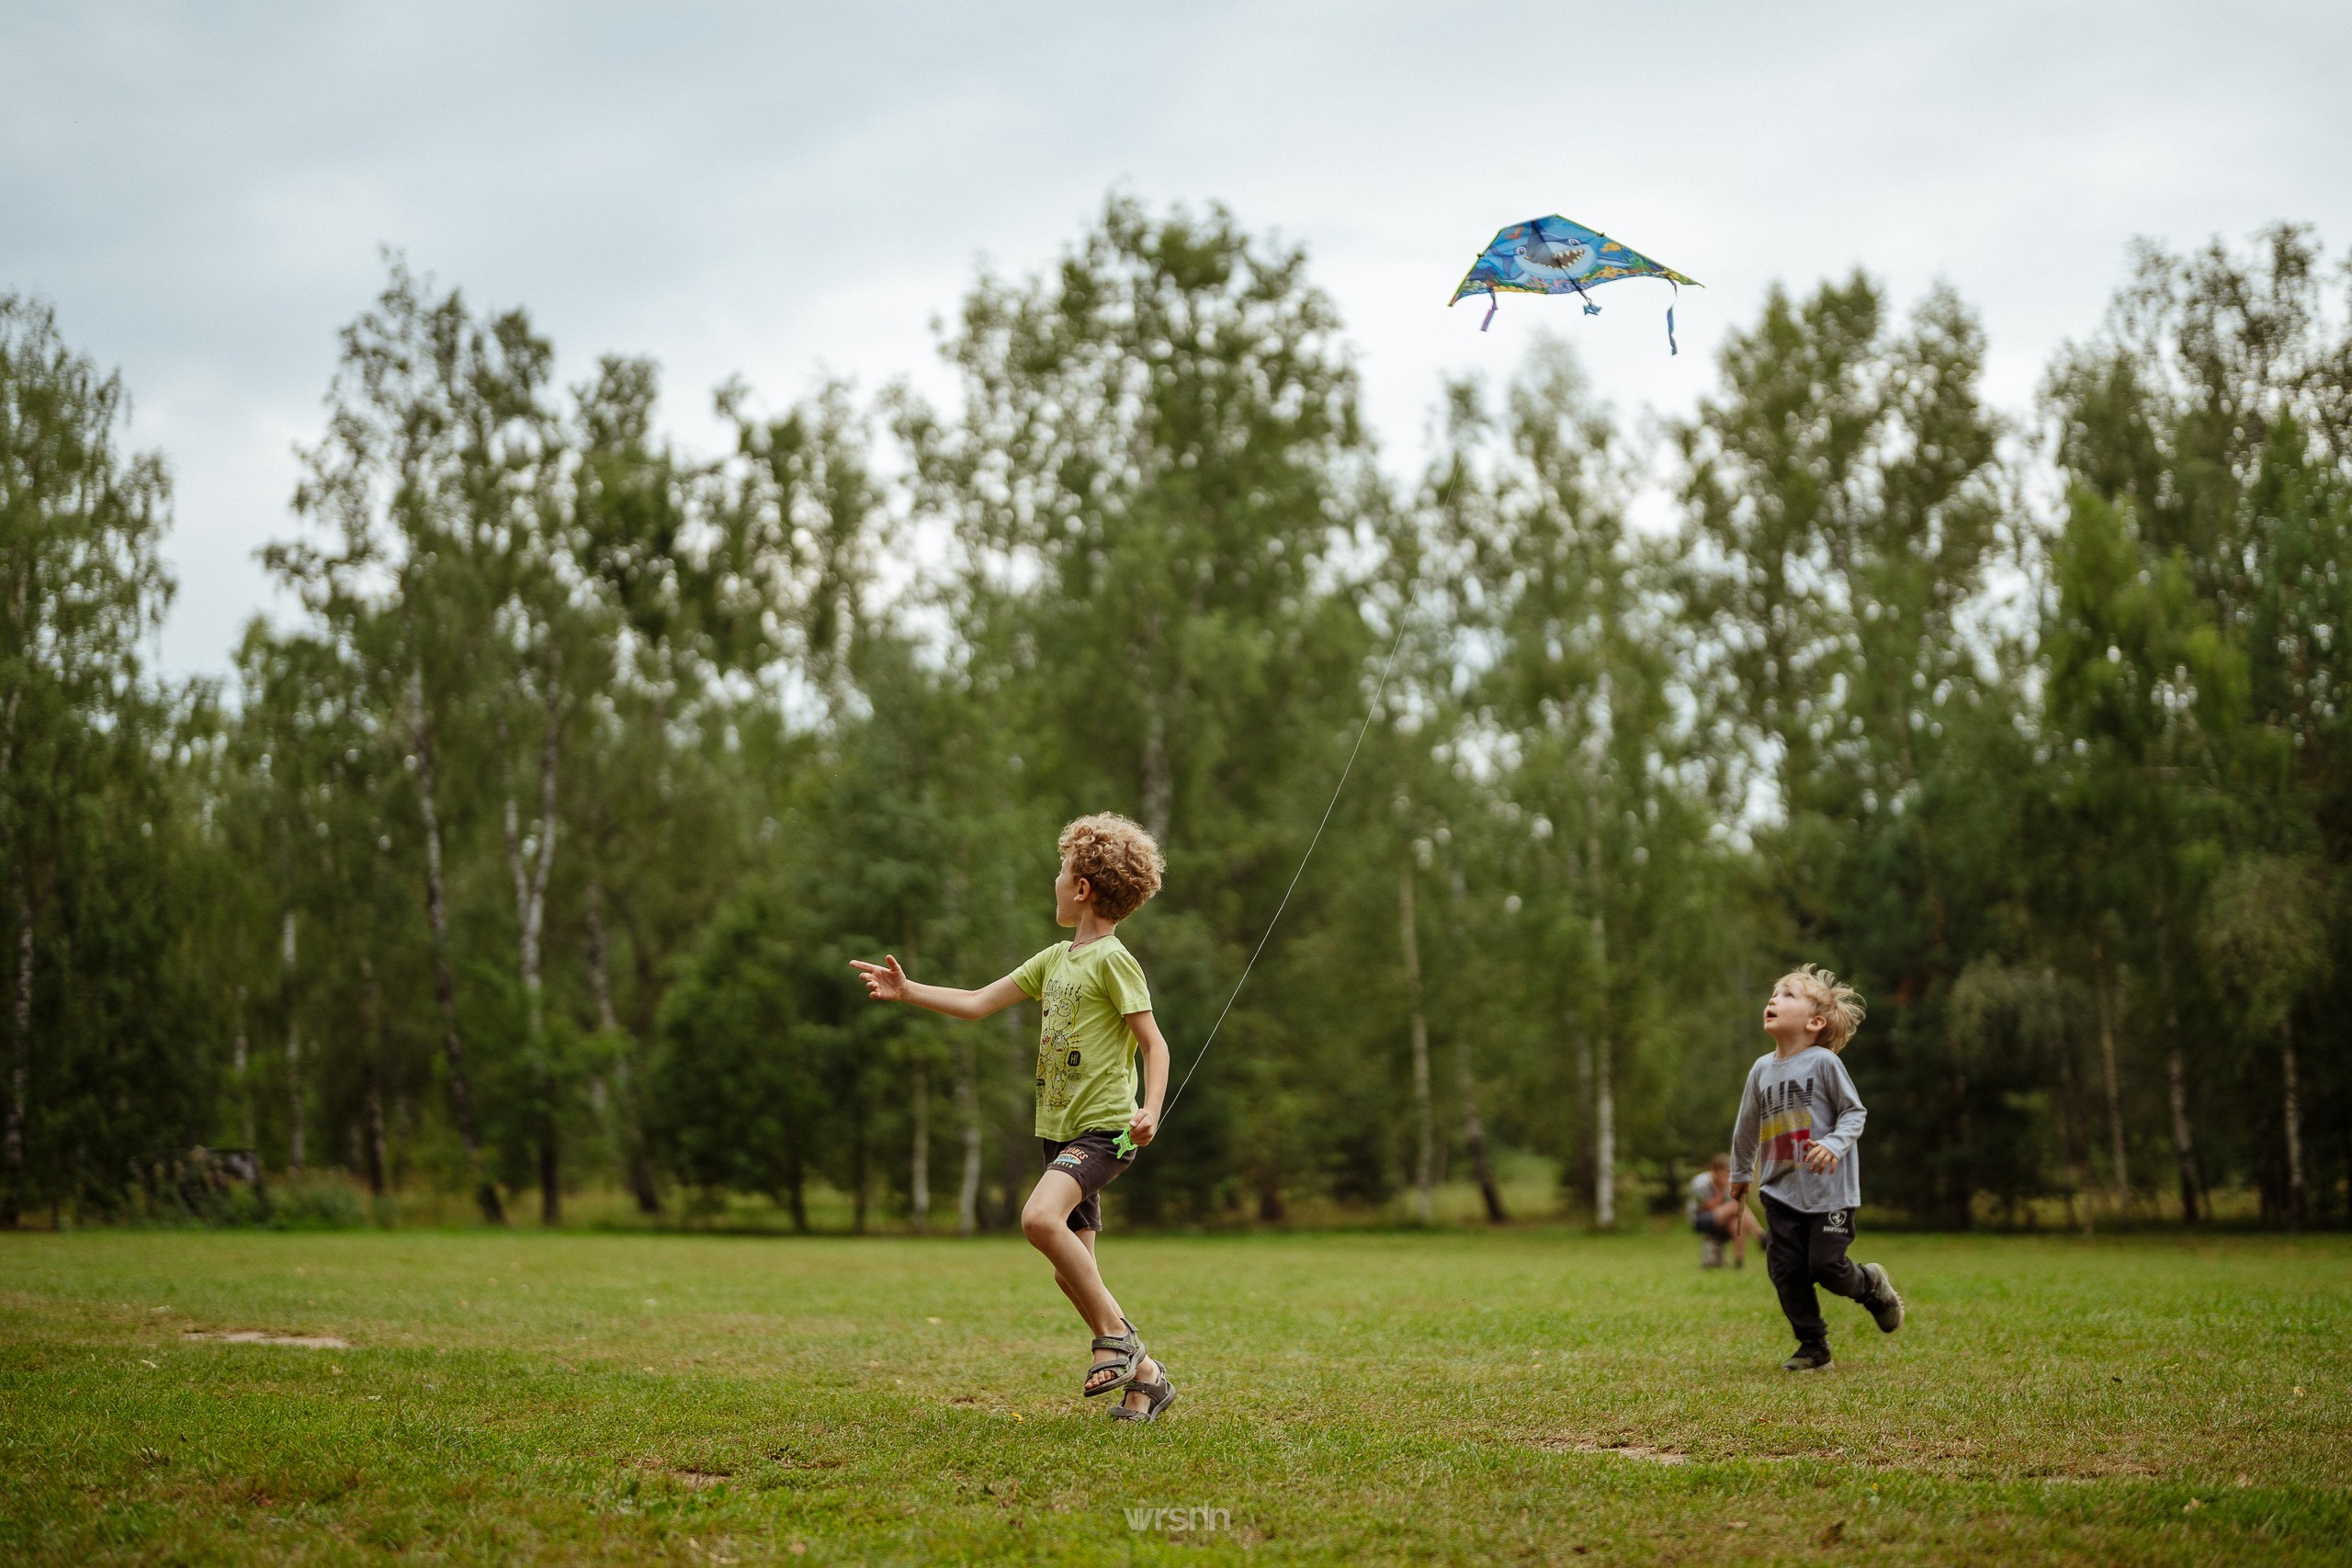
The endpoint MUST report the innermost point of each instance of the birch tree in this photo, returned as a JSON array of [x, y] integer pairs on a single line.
[[82, 584]]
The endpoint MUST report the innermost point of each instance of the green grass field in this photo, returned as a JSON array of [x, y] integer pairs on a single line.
[[1532, 1396]]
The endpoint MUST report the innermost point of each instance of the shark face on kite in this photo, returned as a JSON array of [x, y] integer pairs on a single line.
[[1554, 255], [1538, 259]]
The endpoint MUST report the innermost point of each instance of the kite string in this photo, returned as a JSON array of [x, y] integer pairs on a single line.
[[1404, 624]]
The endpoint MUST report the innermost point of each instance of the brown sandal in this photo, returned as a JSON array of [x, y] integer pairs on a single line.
[[1158, 1396], [1122, 1366]]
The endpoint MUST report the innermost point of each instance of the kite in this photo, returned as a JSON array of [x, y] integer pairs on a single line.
[[1553, 256]]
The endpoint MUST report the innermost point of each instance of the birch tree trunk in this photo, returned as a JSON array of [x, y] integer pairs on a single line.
[[1020, 1147], [1425, 1166], [1157, 781], [2101, 994], [296, 1128], [531, 872], [1159, 784], [21, 1041], [12, 1136], [857, 1131], [2184, 1147], [371, 1105], [2291, 1108], [241, 1058], [1604, 1139], [629, 1155], [967, 1111], [1473, 1127], [2078, 1159], [445, 989], [919, 1171], [1604, 1093]]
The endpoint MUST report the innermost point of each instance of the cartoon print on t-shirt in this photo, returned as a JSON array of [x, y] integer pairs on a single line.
[[1057, 1059]]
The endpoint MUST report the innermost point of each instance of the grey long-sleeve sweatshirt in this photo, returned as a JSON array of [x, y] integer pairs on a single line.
[[1789, 1103]]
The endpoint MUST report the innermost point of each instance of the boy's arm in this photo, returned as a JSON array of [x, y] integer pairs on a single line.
[[886, 982], [1840, 1137], [1743, 1139], [1143, 1125]]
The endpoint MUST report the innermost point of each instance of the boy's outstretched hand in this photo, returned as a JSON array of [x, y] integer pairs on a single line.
[[1820, 1157], [884, 982], [1143, 1126]]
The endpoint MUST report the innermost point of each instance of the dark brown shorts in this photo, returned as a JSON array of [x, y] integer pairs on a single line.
[[1090, 1159]]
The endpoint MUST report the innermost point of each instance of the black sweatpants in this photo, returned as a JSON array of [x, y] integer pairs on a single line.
[[1803, 1250]]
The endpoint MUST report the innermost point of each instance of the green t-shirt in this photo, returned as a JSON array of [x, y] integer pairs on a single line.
[[1086, 1053]]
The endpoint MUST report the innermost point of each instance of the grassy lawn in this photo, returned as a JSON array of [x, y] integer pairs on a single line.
[[1534, 1396]]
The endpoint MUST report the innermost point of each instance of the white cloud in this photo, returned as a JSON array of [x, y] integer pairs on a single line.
[[757, 188]]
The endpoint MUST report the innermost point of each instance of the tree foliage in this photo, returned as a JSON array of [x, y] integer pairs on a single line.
[[530, 855]]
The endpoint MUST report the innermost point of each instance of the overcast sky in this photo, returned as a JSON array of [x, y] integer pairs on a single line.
[[202, 190]]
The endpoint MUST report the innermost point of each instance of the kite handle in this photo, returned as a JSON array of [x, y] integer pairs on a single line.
[[1493, 304]]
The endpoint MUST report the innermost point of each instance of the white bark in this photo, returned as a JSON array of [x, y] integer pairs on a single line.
[[244, 1083], [445, 990], [629, 1162], [1604, 1095], [919, 1178], [2292, 1108], [1159, 781], [2184, 1146], [2100, 988], [12, 1141], [967, 1109], [1425, 1166], [297, 1127], [531, 872], [1604, 1140]]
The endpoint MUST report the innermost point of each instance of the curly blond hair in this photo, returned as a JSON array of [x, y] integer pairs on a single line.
[[1840, 1005], [1118, 858]]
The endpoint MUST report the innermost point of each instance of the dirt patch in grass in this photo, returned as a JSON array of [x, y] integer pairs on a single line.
[[693, 1477], [2094, 1469], [257, 1336], [1623, 1450], [787, 1460]]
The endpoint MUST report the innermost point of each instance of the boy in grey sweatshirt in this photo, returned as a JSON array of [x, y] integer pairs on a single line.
[[1798, 1118]]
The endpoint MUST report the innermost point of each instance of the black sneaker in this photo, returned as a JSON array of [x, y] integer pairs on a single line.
[[1883, 1306], [1808, 1358]]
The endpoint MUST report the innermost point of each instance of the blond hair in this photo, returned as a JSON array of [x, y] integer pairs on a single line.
[[1839, 1006], [1120, 860]]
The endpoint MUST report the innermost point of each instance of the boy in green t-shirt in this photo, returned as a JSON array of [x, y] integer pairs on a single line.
[[1097, 1010]]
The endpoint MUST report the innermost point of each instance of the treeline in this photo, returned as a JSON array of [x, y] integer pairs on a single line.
[[530, 854]]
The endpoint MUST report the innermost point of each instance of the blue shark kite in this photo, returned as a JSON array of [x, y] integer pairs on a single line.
[[1552, 256]]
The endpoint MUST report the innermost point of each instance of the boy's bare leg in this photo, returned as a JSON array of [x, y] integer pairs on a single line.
[[1045, 1220]]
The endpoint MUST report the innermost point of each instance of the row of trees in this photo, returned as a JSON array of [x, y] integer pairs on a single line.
[[531, 852]]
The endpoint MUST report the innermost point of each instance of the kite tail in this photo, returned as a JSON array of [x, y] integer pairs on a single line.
[[1670, 349], [1493, 304]]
